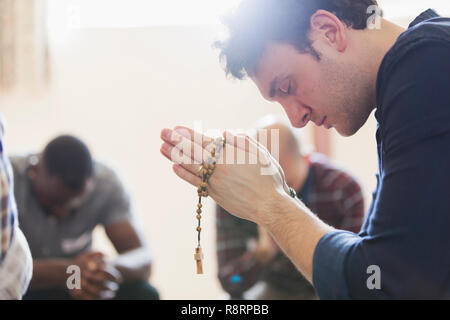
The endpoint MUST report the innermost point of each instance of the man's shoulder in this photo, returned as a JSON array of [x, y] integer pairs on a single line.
[[412, 85], [433, 32], [105, 173], [20, 163], [428, 26], [107, 181], [435, 28], [324, 165]]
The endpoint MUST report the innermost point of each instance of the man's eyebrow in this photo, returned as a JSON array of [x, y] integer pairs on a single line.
[[273, 87]]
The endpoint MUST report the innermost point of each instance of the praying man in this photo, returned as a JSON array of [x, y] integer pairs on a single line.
[[328, 63]]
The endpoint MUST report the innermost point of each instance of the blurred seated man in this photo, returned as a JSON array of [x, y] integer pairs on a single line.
[[251, 265], [62, 195]]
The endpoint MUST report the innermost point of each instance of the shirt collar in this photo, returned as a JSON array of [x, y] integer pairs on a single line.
[[426, 15]]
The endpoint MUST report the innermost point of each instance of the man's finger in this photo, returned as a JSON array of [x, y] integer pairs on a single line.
[[241, 141], [168, 151], [175, 137], [111, 274], [90, 288], [197, 150], [194, 136], [177, 155], [186, 175]]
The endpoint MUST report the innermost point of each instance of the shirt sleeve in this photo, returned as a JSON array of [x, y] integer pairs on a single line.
[[8, 207], [117, 205], [238, 269], [407, 235]]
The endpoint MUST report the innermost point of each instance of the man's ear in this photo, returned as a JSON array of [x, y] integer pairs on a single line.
[[328, 27]]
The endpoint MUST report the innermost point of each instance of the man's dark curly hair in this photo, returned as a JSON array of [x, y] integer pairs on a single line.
[[258, 22]]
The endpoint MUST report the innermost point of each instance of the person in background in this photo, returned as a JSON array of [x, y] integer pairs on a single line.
[[251, 265], [15, 258], [62, 195]]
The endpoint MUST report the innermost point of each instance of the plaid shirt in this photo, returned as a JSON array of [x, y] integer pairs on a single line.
[[15, 258], [333, 195], [8, 211]]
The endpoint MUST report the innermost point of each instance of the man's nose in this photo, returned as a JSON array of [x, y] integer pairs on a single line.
[[297, 114]]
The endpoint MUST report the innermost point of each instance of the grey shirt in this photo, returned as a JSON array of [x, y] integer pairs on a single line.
[[49, 237]]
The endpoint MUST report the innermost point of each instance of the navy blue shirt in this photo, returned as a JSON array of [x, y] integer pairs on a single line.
[[406, 233]]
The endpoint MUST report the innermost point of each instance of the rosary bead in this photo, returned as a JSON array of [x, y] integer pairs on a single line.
[[205, 172]]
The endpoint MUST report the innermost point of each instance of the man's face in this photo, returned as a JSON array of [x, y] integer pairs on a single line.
[[53, 195], [330, 92]]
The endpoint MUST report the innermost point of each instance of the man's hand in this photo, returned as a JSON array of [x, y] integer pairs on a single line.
[[255, 191], [250, 190], [99, 278], [266, 248]]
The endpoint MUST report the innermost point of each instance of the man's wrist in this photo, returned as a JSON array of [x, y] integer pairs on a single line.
[[296, 229], [276, 209]]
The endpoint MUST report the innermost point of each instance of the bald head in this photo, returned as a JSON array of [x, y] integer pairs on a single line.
[[282, 134], [281, 140], [288, 142]]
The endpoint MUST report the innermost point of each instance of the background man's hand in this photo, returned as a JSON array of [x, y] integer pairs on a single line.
[[99, 278]]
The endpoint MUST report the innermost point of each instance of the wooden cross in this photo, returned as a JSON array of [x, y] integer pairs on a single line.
[[198, 256]]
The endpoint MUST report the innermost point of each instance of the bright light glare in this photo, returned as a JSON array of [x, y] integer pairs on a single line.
[[137, 13], [72, 14], [412, 8], [67, 15]]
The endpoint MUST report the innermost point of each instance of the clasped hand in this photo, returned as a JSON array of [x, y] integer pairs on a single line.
[[247, 182], [99, 278]]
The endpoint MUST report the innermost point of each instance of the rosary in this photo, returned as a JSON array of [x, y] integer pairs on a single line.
[[205, 172]]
